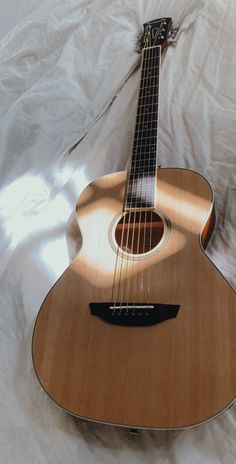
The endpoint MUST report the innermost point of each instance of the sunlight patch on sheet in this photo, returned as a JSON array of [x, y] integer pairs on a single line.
[[23, 195], [27, 214]]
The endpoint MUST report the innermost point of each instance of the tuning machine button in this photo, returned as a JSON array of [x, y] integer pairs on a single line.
[[171, 36], [174, 31]]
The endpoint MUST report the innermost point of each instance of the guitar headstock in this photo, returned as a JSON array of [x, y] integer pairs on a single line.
[[158, 32]]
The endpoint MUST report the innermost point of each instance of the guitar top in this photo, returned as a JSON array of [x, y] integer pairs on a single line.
[[139, 331]]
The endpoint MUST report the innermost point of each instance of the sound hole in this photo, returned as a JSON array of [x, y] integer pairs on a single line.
[[138, 232]]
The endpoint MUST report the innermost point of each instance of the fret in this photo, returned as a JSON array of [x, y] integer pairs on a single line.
[[146, 49], [141, 191], [147, 179], [144, 179], [144, 152], [140, 156], [136, 177], [141, 184], [146, 173], [140, 143], [148, 104], [147, 135], [143, 162], [135, 194], [142, 203], [143, 169], [139, 194], [143, 147], [144, 142], [148, 61], [144, 121], [150, 76], [139, 204], [149, 82], [141, 140], [149, 87], [148, 114], [152, 127], [149, 71], [140, 188], [148, 92], [148, 68], [147, 111]]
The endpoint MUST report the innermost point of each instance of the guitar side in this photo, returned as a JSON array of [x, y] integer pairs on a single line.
[[178, 373]]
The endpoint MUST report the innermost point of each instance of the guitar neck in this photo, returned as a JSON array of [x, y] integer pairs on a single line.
[[141, 179]]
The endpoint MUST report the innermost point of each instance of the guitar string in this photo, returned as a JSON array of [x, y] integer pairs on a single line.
[[133, 214], [134, 190], [145, 276], [120, 260], [156, 79], [140, 180], [120, 256], [137, 185], [144, 187], [143, 183], [150, 186], [144, 178]]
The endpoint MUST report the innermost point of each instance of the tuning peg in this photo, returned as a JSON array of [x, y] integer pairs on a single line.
[[171, 36], [173, 32], [138, 45], [172, 43]]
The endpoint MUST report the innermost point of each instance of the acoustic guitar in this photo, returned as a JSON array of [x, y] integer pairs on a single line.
[[140, 330]]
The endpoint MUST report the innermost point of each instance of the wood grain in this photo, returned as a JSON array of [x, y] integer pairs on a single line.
[[175, 374]]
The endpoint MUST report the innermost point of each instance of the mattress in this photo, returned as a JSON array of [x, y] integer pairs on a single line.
[[69, 75]]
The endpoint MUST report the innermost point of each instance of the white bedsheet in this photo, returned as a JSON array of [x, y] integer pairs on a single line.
[[67, 75]]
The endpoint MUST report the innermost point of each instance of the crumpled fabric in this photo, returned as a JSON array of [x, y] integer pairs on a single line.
[[68, 89]]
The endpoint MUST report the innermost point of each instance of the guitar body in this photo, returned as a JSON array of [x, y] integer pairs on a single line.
[[175, 373]]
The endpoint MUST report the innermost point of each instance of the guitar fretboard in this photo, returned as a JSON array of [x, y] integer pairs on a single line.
[[141, 179]]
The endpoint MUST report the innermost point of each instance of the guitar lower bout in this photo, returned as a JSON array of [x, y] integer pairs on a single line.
[[158, 374]]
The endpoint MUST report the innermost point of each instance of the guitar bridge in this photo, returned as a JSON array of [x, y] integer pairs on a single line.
[[134, 314]]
